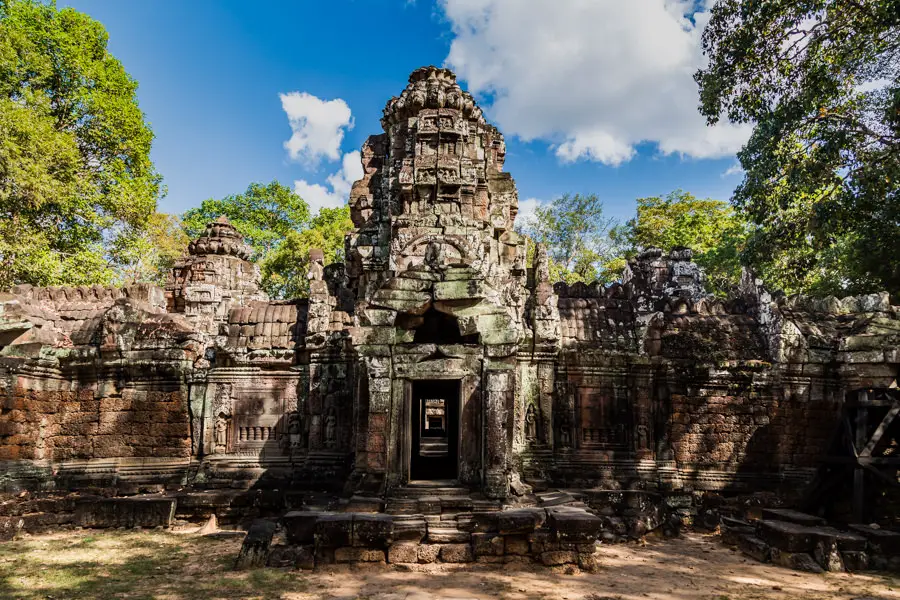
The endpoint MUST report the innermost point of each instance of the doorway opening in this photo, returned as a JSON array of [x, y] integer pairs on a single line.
[[435, 429]]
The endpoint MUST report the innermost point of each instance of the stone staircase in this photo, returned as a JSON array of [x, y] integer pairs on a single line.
[[433, 447]]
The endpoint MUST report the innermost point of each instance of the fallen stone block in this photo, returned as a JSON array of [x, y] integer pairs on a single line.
[[456, 553], [255, 549], [334, 530], [754, 547], [845, 540], [125, 512], [788, 537], [799, 561], [855, 561], [372, 530], [574, 525], [300, 526], [883, 541], [791, 516], [520, 521], [403, 553]]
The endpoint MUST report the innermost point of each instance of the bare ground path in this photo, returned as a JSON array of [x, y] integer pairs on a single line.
[[175, 566]]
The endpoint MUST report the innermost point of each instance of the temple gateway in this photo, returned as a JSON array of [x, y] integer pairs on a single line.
[[440, 356]]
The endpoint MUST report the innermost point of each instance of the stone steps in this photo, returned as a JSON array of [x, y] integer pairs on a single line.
[[805, 542]]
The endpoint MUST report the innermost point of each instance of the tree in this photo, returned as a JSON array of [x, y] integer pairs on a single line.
[[820, 81], [148, 254], [708, 227], [284, 269], [264, 214], [577, 237], [275, 222], [75, 169]]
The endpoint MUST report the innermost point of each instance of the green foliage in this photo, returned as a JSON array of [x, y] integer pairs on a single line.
[[148, 254], [275, 222], [75, 169], [577, 237], [284, 269], [264, 214], [708, 227], [820, 81]]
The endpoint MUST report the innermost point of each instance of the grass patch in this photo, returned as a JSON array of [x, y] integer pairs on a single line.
[[134, 565]]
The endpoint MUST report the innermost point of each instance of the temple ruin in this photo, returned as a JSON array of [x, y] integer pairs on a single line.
[[439, 371]]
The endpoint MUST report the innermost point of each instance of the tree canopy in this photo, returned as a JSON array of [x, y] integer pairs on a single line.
[[75, 169], [284, 269], [708, 227], [820, 81], [265, 214], [576, 234], [276, 222]]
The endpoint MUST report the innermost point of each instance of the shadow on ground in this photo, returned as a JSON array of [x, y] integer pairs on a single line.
[[164, 565]]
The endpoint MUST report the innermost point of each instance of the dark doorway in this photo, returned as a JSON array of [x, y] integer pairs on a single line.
[[435, 429]]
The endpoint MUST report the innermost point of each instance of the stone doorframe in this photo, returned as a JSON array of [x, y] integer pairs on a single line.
[[406, 435], [470, 429]]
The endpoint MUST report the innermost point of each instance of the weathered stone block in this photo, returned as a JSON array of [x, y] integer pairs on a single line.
[[334, 530], [800, 561], [825, 551], [427, 553], [754, 547], [486, 521], [125, 512], [559, 557], [520, 521], [487, 544], [447, 535], [255, 549], [589, 561], [456, 553], [515, 544], [300, 526], [855, 561], [372, 530], [574, 525], [353, 554], [788, 537], [402, 553]]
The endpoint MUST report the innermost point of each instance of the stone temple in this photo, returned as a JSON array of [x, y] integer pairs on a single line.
[[439, 361]]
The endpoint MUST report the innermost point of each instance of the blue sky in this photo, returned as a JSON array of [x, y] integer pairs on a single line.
[[595, 99]]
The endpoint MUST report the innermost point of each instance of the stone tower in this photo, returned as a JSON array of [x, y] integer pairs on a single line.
[[439, 281]]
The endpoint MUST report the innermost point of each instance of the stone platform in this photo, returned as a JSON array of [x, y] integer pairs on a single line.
[[805, 542]]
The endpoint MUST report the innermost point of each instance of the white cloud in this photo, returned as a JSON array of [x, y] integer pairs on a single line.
[[318, 126], [594, 77], [338, 190], [734, 169], [526, 211]]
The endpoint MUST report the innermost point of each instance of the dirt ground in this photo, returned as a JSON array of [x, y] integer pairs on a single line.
[[174, 566]]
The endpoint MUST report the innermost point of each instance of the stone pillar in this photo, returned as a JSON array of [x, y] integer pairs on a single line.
[[498, 398]]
